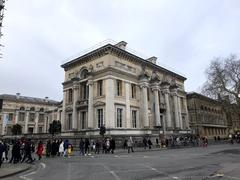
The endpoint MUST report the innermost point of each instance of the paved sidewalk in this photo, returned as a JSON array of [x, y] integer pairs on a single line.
[[11, 169]]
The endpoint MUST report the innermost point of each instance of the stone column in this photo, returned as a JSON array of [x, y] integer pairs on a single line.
[[63, 119], [4, 123], [90, 104], [168, 112], [180, 112], [186, 110], [75, 99], [144, 87], [36, 123], [128, 114], [16, 117], [26, 122], [109, 112], [155, 89], [176, 110]]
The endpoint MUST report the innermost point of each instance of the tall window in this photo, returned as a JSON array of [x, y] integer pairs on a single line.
[[83, 119], [119, 87], [70, 95], [41, 117], [31, 117], [21, 116], [100, 117], [84, 90], [133, 91], [10, 116], [100, 87], [119, 117], [70, 121], [134, 118], [148, 94]]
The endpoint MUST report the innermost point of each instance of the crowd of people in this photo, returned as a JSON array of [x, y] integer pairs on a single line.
[[24, 150]]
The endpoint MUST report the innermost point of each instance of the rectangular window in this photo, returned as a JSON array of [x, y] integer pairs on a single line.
[[41, 118], [134, 118], [83, 119], [119, 87], [100, 117], [148, 94], [21, 116], [30, 130], [10, 116], [133, 91], [40, 129], [69, 121], [70, 95], [100, 88], [85, 90], [119, 117], [31, 117]]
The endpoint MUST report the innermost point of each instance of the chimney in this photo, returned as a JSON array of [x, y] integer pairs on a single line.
[[152, 59], [122, 45], [46, 99], [18, 95]]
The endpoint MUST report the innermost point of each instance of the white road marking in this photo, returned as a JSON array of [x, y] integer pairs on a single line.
[[154, 169], [43, 165], [25, 176], [112, 172]]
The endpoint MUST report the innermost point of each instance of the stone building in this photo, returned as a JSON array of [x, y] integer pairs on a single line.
[[31, 113], [126, 93], [206, 116]]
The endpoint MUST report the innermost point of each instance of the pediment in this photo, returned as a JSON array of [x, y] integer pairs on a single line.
[[99, 103]]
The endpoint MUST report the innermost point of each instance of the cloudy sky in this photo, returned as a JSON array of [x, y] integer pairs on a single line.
[[39, 35]]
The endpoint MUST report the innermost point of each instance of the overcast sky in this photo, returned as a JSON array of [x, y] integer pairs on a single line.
[[40, 34]]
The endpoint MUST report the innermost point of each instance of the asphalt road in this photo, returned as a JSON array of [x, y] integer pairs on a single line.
[[214, 162]]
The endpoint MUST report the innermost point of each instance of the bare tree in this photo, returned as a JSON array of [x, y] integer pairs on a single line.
[[223, 79]]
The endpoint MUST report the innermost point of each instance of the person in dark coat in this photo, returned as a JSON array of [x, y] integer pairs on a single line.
[[86, 143], [97, 150], [48, 148], [6, 149], [16, 153], [81, 147], [112, 145], [28, 152], [65, 146], [54, 148], [145, 143], [1, 152], [149, 143]]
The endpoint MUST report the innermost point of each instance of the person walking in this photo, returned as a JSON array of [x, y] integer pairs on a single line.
[[86, 143], [112, 145], [130, 144], [149, 143], [40, 150], [81, 147], [97, 150], [1, 152], [145, 143], [65, 147], [48, 148], [61, 149]]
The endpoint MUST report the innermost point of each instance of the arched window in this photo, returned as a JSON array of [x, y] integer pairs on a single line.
[[41, 110], [22, 108], [32, 109], [84, 73]]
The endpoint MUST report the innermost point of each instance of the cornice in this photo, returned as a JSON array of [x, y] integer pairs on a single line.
[[111, 49]]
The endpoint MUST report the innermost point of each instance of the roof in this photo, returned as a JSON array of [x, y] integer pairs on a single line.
[[27, 99], [113, 48], [201, 96]]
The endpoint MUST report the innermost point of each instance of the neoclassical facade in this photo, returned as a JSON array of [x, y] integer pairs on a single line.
[[127, 94], [33, 114]]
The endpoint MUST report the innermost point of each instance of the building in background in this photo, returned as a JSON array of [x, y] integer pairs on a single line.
[[126, 93], [33, 114], [206, 116]]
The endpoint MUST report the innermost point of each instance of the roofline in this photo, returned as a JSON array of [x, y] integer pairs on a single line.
[[202, 96], [110, 46]]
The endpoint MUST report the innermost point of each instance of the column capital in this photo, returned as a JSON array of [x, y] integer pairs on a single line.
[[90, 82], [155, 87], [144, 85]]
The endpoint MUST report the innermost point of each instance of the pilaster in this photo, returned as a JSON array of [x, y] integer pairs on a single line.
[[90, 104], [166, 93], [26, 122], [36, 123], [109, 113], [75, 99], [155, 89], [128, 116]]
